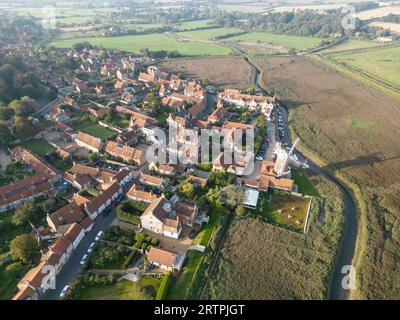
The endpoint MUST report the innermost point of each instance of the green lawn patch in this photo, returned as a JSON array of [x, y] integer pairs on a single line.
[[276, 208], [93, 129], [304, 184], [38, 146], [145, 289]]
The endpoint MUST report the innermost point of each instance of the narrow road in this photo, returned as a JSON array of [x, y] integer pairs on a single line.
[[73, 267]]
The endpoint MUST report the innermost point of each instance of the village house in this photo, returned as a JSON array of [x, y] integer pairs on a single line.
[[98, 112], [162, 168], [35, 283], [89, 142], [235, 165], [166, 260], [159, 217], [139, 195], [221, 114], [66, 132], [14, 194], [57, 113], [126, 153], [129, 138], [101, 202], [263, 103], [146, 78], [36, 162], [197, 181], [71, 213], [152, 181]]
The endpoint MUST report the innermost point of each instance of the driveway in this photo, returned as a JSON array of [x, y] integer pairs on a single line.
[[176, 245]]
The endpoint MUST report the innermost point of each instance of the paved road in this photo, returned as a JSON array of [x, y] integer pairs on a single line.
[[72, 268]]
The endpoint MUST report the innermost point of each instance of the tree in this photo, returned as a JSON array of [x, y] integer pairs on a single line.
[[232, 196], [240, 211], [23, 128], [5, 136], [25, 248], [6, 113], [24, 214], [187, 190], [251, 90]]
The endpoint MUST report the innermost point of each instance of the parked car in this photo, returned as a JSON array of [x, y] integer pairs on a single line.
[[98, 236], [259, 158], [83, 260], [64, 291], [91, 247]]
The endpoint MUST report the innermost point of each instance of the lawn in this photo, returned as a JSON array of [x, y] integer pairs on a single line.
[[304, 184], [298, 43], [153, 42], [93, 129], [145, 289], [381, 63], [9, 281], [276, 208], [208, 34], [38, 146], [187, 25]]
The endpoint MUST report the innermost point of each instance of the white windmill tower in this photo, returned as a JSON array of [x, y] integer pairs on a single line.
[[284, 158]]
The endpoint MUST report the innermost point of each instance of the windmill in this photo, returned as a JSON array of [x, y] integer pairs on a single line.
[[284, 158]]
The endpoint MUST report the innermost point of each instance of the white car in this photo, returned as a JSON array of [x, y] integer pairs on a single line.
[[91, 247], [64, 291], [259, 158], [83, 260], [99, 236]]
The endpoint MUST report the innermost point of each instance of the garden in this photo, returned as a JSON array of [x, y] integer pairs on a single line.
[[282, 209], [130, 211]]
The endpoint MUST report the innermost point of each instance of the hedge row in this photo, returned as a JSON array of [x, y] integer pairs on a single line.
[[162, 290]]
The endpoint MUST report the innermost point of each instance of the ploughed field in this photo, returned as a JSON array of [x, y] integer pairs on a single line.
[[226, 72], [354, 130]]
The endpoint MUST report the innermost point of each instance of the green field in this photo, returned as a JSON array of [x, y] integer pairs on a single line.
[[383, 63], [153, 42], [145, 289], [208, 34], [38, 146], [93, 129], [298, 43], [351, 44], [195, 24]]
